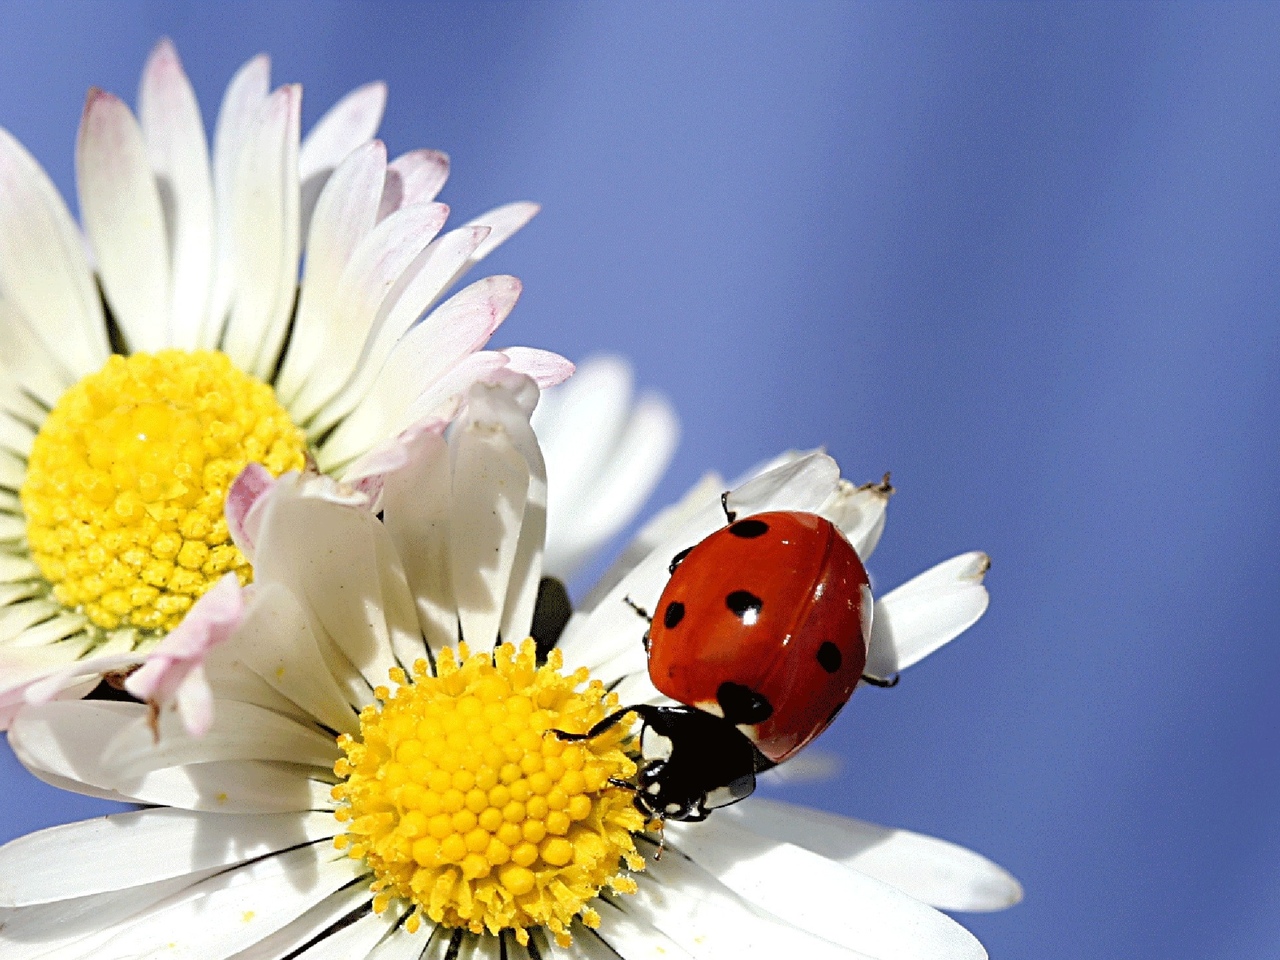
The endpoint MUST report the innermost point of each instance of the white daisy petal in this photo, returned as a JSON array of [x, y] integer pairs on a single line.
[[503, 223], [314, 925], [27, 360], [423, 356], [349, 123], [244, 732], [414, 177], [621, 935], [599, 486], [41, 931], [63, 743], [326, 555], [936, 872], [352, 941], [689, 905], [835, 902], [232, 911], [370, 278], [920, 616], [344, 215], [416, 508], [276, 642], [241, 105], [859, 512], [178, 153], [543, 367], [43, 270], [143, 847], [491, 487], [418, 288], [265, 234]]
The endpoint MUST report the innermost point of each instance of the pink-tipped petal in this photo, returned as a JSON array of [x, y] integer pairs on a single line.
[[178, 153], [414, 177], [241, 104], [349, 123], [265, 235], [243, 508], [120, 206], [173, 673], [344, 215], [545, 368]]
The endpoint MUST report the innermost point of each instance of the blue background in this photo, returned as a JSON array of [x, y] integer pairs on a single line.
[[1025, 256]]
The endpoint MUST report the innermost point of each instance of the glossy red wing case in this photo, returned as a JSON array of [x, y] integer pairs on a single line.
[[765, 623]]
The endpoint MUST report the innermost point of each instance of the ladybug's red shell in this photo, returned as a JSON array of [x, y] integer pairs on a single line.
[[765, 622]]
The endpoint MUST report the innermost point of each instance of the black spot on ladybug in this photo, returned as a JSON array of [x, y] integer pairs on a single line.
[[745, 606], [749, 529], [674, 614], [829, 657], [742, 704], [678, 559]]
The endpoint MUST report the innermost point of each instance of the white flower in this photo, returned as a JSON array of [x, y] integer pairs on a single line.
[[124, 415], [361, 794]]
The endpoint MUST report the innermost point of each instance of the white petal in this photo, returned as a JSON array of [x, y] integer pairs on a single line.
[[42, 264], [604, 458], [923, 614], [936, 872], [350, 123], [142, 847], [276, 642], [543, 367], [242, 731], [414, 177], [344, 215], [376, 269], [350, 942], [859, 513], [427, 353], [122, 217], [27, 361], [503, 223], [417, 501], [834, 902], [314, 924], [419, 287], [179, 158], [609, 630], [265, 235], [62, 743], [685, 902], [491, 484], [241, 105], [30, 932], [327, 555], [234, 910], [621, 935]]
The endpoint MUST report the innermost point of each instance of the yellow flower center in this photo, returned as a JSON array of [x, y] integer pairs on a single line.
[[465, 807], [126, 481]]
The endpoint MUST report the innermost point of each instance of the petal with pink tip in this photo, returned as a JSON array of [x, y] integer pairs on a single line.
[[178, 153], [350, 123], [265, 237], [414, 177], [344, 215], [123, 219], [173, 672], [241, 105]]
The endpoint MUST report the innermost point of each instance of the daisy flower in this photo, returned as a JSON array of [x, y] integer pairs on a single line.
[[380, 778], [144, 362]]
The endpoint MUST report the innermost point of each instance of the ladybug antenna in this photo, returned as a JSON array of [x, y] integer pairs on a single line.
[[729, 515], [881, 681], [638, 609], [612, 720]]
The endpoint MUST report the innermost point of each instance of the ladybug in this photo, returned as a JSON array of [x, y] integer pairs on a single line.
[[761, 635]]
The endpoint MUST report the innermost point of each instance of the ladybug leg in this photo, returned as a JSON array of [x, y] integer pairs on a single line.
[[881, 681], [729, 515], [612, 720]]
